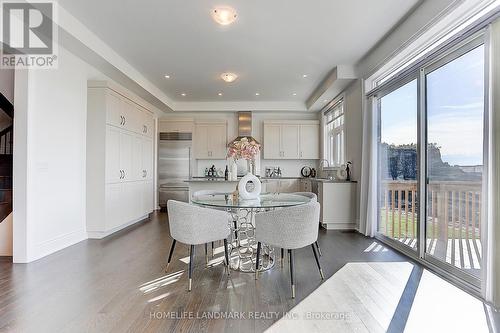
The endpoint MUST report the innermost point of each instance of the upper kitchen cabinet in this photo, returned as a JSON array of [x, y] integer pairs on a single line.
[[309, 141], [210, 140], [291, 140]]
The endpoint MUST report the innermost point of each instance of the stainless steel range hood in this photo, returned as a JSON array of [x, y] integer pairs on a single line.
[[244, 127]]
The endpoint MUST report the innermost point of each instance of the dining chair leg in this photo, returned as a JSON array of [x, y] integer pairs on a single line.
[[257, 260], [235, 229], [212, 249], [170, 254], [319, 249], [282, 257], [226, 254], [206, 253], [290, 254], [191, 259], [317, 262]]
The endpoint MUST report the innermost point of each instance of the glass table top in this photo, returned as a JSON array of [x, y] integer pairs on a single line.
[[265, 200]]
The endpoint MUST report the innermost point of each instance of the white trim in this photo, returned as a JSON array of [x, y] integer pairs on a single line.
[[338, 225], [55, 244], [453, 23], [102, 234]]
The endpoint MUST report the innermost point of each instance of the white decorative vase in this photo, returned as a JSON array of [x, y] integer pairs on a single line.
[[242, 187], [234, 170]]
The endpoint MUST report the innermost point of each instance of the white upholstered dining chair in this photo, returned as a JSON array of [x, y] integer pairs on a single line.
[[288, 228], [193, 225]]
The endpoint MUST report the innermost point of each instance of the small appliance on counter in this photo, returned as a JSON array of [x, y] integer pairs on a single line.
[[305, 172], [313, 173], [273, 172]]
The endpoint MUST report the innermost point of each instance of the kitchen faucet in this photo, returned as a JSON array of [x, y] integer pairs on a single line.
[[324, 160], [322, 168]]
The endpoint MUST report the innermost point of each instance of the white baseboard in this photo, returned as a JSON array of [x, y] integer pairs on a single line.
[[339, 226], [56, 244], [106, 233]]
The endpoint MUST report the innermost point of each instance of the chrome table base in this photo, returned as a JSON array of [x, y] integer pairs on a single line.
[[242, 243]]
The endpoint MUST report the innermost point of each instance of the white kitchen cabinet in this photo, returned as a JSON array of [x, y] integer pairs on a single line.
[[126, 157], [272, 141], [183, 126], [145, 123], [112, 158], [292, 139], [309, 141], [338, 205], [305, 185], [137, 158], [147, 196], [282, 185], [114, 109], [210, 140], [120, 153], [146, 170]]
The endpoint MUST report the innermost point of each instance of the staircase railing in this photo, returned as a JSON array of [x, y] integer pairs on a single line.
[[6, 138]]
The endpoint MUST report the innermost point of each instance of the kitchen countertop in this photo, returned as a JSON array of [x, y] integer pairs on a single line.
[[265, 179]]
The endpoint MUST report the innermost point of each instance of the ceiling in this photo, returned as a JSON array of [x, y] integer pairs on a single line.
[[271, 45]]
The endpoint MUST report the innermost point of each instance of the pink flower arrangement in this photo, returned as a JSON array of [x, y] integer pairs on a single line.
[[243, 149]]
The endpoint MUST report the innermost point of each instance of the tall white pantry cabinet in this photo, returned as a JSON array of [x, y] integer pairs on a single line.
[[120, 138]]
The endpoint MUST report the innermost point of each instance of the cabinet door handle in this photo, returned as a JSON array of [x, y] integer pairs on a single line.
[[121, 175], [300, 154], [124, 121], [121, 123]]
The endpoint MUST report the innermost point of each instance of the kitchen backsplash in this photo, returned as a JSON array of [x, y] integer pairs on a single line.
[[289, 168]]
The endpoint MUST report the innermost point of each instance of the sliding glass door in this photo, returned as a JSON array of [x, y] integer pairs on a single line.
[[455, 131], [397, 161], [431, 161]]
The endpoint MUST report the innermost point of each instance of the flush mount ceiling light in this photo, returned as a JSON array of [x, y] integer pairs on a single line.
[[257, 94], [220, 94], [167, 76], [183, 94], [228, 77], [294, 94], [224, 15], [304, 75]]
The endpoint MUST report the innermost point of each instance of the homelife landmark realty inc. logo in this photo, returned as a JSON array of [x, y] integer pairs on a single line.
[[29, 35]]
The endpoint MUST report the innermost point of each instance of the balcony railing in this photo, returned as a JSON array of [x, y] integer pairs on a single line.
[[453, 228]]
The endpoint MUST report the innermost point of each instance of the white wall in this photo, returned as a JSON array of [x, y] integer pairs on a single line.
[[6, 237], [7, 89], [290, 168], [354, 133], [49, 157]]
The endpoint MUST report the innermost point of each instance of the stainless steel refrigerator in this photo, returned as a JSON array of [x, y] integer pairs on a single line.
[[174, 166]]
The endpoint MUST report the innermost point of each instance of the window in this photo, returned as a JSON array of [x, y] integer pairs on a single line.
[[334, 134], [431, 143]]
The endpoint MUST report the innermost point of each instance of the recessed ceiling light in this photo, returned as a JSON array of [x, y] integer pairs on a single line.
[[294, 94], [304, 75], [167, 76], [183, 94], [224, 15], [220, 94], [228, 77], [257, 94]]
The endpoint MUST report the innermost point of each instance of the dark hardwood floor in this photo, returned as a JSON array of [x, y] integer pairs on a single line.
[[118, 284]]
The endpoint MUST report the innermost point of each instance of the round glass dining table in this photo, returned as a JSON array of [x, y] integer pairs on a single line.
[[242, 243]]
